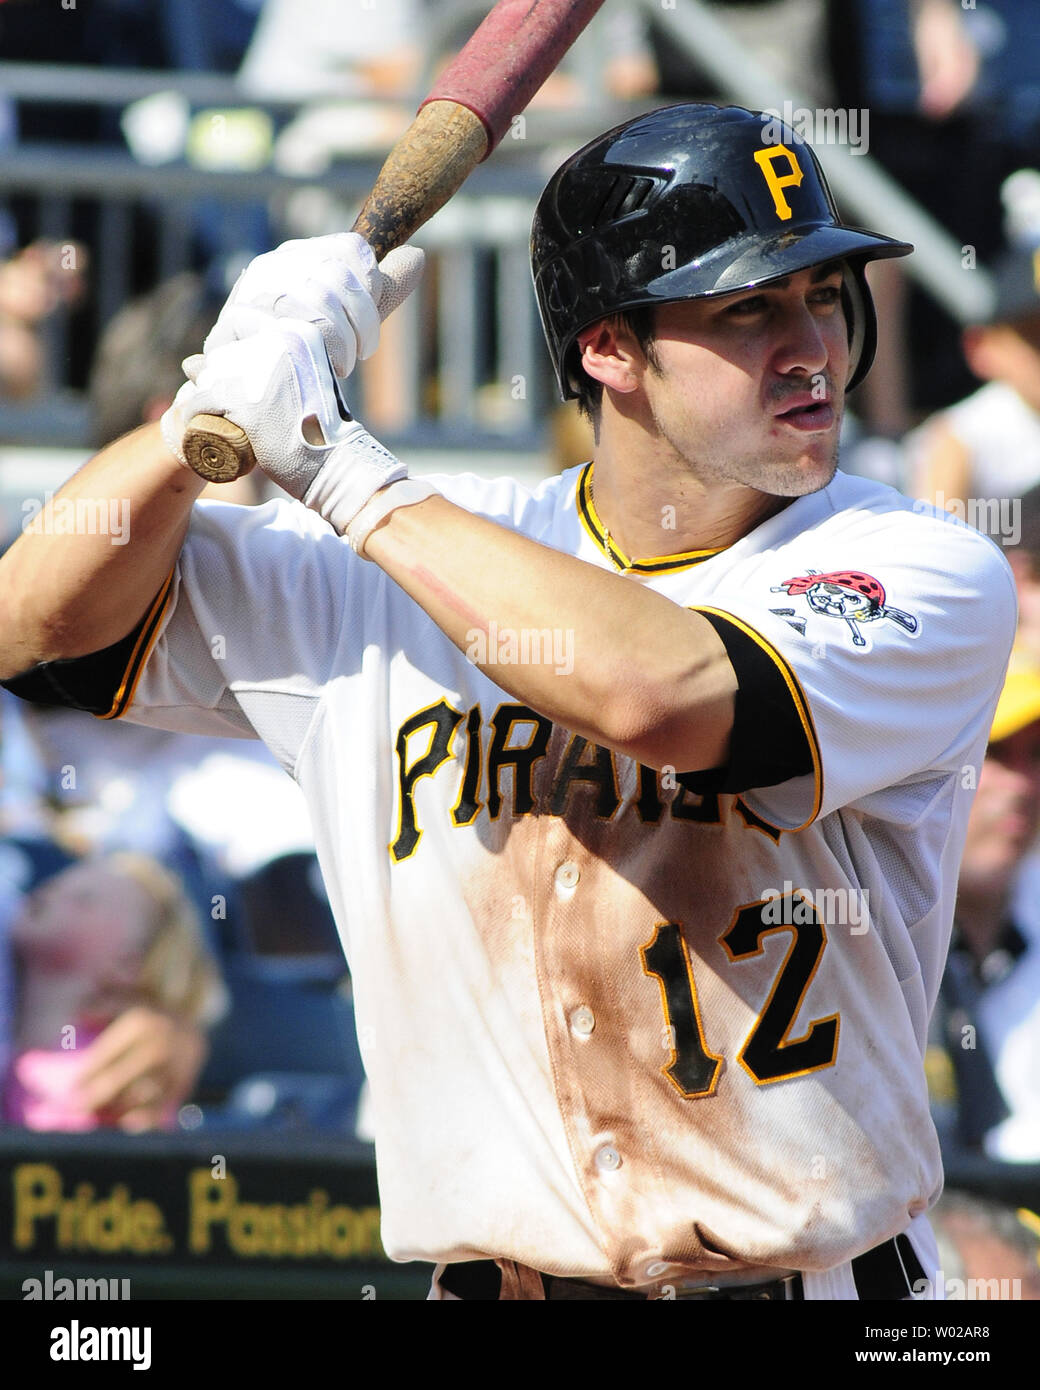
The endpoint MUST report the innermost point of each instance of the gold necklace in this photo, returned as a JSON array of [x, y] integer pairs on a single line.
[[613, 552]]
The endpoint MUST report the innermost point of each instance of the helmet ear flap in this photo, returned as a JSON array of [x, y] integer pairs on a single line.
[[858, 304]]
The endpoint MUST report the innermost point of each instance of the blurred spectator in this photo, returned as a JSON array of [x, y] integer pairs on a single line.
[[98, 941], [303, 50], [788, 36], [208, 35], [947, 55], [988, 445], [988, 1016], [34, 282], [1024, 558], [137, 365], [922, 71], [199, 35], [629, 70], [986, 1250]]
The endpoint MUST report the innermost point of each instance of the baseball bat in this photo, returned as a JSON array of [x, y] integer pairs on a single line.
[[459, 123]]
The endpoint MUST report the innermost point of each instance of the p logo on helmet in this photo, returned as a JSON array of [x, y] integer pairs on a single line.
[[766, 159]]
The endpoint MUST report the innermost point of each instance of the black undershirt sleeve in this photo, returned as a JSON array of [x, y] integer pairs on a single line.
[[769, 744], [90, 683]]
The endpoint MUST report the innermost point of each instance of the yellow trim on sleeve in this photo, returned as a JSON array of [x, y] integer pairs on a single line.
[[124, 695], [798, 696]]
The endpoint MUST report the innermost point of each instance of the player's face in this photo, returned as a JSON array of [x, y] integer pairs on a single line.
[[1006, 812], [749, 387]]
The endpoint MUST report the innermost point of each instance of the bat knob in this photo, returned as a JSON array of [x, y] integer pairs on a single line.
[[217, 449]]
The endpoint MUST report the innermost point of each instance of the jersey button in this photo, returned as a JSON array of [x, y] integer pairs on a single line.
[[655, 1270], [566, 878], [583, 1020], [607, 1158]]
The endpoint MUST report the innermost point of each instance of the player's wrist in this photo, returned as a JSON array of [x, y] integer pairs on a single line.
[[172, 425], [405, 492], [357, 467]]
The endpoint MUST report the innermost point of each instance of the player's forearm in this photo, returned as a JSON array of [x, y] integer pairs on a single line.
[[622, 666], [85, 570]]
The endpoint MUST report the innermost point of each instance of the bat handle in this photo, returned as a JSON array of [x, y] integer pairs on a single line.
[[217, 449]]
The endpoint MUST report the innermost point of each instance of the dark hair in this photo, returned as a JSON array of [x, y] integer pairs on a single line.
[[640, 322], [138, 358]]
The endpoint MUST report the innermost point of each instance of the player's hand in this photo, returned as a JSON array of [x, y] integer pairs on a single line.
[[140, 1068], [278, 386], [332, 282]]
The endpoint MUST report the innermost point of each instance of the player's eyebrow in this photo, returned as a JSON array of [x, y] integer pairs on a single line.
[[820, 272]]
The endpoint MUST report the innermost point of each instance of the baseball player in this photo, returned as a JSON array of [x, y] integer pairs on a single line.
[[639, 796]]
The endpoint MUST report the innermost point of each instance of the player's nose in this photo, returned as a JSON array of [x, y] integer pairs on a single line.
[[802, 342]]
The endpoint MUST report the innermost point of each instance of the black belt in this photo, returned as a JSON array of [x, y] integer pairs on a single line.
[[887, 1273]]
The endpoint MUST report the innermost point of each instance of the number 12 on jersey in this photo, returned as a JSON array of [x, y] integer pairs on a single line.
[[768, 1054]]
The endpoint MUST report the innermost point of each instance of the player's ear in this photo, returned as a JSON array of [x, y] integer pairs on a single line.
[[611, 355]]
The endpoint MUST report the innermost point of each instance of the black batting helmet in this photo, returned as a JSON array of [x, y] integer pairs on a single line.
[[683, 203]]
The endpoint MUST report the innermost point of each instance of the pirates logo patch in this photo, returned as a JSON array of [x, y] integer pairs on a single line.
[[851, 595]]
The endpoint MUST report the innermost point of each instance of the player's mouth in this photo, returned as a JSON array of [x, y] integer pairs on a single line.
[[807, 412]]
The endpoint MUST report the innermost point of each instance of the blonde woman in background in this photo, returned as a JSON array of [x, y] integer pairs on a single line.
[[99, 941]]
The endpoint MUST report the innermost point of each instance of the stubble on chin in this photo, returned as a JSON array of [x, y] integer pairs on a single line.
[[776, 475], [773, 472], [802, 479]]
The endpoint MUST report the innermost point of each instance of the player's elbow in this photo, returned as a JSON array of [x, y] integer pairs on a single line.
[[26, 638], [676, 720], [32, 633]]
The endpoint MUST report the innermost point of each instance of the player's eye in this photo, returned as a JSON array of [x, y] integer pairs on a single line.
[[746, 308], [827, 295]]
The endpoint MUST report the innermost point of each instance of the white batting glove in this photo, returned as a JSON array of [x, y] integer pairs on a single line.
[[278, 386], [332, 282]]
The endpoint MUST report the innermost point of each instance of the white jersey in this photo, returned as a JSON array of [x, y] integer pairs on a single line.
[[615, 1027]]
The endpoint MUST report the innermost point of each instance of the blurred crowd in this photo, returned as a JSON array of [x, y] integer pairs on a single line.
[[167, 955]]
